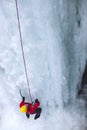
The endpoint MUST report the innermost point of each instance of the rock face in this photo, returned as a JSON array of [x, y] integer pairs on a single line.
[[82, 93]]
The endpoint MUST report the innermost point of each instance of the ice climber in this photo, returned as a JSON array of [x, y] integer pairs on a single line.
[[30, 108]]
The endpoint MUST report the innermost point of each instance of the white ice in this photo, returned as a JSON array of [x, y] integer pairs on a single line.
[[55, 49]]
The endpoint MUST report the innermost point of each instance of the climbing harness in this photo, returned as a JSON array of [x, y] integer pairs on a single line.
[[22, 49]]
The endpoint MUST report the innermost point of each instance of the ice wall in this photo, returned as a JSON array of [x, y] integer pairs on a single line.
[[54, 37]]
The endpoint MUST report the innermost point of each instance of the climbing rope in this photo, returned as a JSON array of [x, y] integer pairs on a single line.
[[22, 49]]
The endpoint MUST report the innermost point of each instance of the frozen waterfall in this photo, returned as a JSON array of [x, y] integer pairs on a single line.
[[55, 44]]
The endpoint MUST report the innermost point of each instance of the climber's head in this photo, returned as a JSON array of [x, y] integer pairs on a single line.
[[23, 109]]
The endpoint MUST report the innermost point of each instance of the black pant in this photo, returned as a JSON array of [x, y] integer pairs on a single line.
[[37, 112]]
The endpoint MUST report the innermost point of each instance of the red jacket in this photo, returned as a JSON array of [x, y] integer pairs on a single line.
[[30, 107]]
